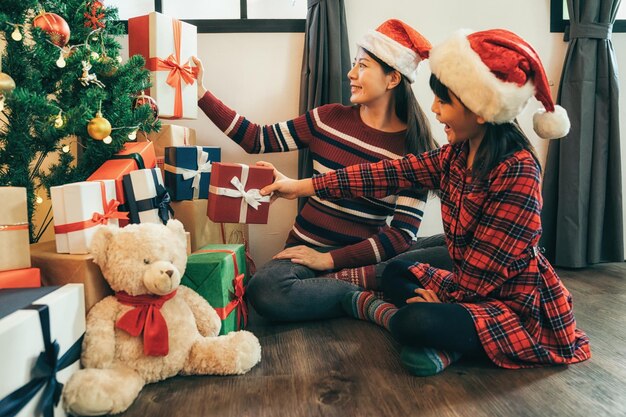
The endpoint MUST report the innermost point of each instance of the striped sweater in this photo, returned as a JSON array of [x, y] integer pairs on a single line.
[[357, 229]]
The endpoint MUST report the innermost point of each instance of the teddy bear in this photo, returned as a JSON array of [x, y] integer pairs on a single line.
[[152, 328]]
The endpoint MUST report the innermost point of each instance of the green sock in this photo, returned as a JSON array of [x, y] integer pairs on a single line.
[[365, 305], [425, 361]]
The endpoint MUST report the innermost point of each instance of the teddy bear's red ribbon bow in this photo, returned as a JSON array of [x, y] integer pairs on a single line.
[[146, 317]]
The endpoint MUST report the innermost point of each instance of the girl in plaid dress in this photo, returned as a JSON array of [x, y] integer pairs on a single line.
[[502, 298]]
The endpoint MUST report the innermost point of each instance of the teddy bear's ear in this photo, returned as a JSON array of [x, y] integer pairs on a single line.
[[100, 242], [179, 230]]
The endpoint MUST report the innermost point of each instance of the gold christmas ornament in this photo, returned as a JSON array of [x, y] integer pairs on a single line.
[[6, 83], [99, 127]]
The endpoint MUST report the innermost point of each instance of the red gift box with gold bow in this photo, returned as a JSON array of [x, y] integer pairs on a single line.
[[167, 45]]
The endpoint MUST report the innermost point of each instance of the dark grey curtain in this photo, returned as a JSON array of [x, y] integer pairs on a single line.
[[325, 65], [582, 191]]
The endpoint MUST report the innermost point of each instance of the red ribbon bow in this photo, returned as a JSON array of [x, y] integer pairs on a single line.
[[237, 302], [146, 317], [110, 212]]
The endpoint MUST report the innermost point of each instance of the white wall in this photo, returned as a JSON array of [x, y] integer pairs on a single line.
[[258, 75]]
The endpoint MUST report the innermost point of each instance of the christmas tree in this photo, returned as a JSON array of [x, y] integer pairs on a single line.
[[62, 81]]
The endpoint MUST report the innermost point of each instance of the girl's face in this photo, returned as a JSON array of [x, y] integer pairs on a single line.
[[460, 124], [368, 81]]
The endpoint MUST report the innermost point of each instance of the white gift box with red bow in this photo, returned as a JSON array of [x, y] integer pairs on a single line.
[[167, 45], [78, 209]]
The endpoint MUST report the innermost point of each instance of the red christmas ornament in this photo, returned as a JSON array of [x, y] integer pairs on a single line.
[[94, 15], [55, 26], [143, 100]]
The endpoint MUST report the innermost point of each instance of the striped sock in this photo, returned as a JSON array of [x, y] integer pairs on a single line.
[[424, 361], [365, 305]]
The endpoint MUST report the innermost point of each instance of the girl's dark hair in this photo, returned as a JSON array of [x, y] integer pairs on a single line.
[[418, 136], [500, 140]]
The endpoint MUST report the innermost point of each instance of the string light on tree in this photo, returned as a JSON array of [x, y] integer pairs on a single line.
[[107, 140], [16, 35], [59, 120]]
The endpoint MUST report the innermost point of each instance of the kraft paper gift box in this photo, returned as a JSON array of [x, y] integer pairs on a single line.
[[60, 269], [188, 170], [167, 45], [147, 200], [14, 235], [78, 209], [234, 193], [218, 274], [192, 214], [20, 278], [41, 332], [135, 155], [169, 135]]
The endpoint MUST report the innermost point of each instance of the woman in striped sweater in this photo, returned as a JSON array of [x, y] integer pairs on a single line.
[[352, 235]]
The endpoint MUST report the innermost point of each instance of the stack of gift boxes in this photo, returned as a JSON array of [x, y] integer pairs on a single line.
[[163, 175]]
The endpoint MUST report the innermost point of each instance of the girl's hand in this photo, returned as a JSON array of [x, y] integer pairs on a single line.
[[308, 257], [286, 187], [424, 296], [200, 79]]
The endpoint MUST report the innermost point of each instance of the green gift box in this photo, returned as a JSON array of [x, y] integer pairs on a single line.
[[218, 273]]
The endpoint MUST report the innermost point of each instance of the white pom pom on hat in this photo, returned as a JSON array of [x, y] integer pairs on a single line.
[[495, 73], [398, 45]]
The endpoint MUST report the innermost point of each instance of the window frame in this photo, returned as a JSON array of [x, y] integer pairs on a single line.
[[558, 23], [241, 25]]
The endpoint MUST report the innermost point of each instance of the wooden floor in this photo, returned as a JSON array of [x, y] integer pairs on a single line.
[[345, 367]]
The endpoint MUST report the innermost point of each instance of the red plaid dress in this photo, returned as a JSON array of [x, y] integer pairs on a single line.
[[522, 312]]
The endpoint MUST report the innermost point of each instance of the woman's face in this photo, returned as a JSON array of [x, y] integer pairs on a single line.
[[460, 123], [368, 81]]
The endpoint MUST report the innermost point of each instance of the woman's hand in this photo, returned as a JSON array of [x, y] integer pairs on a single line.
[[286, 187], [424, 296], [308, 257], [200, 79]]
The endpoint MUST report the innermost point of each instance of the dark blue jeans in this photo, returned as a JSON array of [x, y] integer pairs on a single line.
[[284, 291]]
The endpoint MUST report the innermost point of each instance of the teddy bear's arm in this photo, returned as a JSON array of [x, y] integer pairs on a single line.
[[99, 343], [207, 320]]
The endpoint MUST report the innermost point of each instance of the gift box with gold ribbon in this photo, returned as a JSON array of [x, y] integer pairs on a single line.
[[167, 45], [218, 273], [14, 239]]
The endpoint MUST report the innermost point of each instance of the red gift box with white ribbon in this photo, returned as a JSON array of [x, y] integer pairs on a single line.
[[234, 193]]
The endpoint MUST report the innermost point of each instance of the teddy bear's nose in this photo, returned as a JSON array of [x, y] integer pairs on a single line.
[[169, 273]]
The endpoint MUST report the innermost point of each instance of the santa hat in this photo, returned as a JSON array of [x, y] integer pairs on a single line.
[[398, 45], [494, 73]]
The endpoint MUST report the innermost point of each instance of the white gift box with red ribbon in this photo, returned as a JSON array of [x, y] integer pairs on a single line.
[[78, 209], [167, 45]]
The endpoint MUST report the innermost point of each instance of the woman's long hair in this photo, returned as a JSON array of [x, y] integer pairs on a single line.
[[418, 136], [500, 140]]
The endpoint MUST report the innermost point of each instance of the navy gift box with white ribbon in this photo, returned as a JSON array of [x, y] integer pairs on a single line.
[[188, 170], [41, 332]]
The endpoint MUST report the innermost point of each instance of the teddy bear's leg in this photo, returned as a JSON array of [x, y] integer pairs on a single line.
[[234, 353], [94, 392]]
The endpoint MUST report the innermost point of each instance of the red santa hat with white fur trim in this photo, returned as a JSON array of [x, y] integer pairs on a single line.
[[398, 45], [495, 73]]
